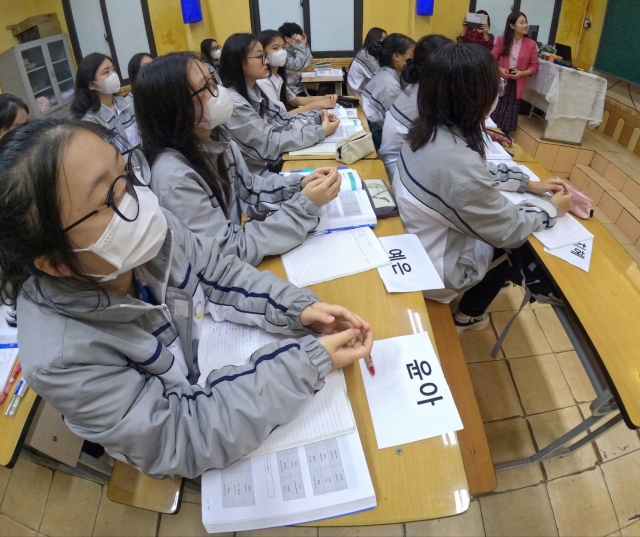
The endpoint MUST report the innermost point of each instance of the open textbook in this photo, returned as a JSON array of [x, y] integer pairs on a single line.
[[329, 412], [351, 209], [320, 480]]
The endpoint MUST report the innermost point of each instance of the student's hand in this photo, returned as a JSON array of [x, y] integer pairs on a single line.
[[289, 40], [346, 347], [505, 73], [550, 185], [562, 201], [325, 102], [485, 29], [323, 189], [330, 123], [319, 173], [327, 319], [303, 38]]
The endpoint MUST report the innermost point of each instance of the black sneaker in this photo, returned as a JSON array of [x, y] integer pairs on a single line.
[[474, 323]]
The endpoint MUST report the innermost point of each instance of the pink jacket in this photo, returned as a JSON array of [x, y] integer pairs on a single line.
[[528, 59]]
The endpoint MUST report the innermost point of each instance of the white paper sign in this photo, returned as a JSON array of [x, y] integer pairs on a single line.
[[578, 254], [408, 397], [410, 269]]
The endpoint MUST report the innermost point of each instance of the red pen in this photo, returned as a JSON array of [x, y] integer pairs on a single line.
[[12, 379], [370, 365]]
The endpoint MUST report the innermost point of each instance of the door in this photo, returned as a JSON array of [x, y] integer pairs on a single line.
[[275, 12], [39, 77], [540, 13], [331, 32], [89, 27]]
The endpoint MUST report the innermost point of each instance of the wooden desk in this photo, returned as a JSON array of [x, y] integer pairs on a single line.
[[520, 155], [365, 125], [337, 80], [427, 480]]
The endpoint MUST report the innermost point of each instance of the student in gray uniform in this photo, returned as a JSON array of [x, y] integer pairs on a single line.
[[299, 55], [204, 181], [385, 86], [110, 291], [94, 99], [450, 197], [210, 53], [364, 65], [404, 110], [137, 62], [259, 127]]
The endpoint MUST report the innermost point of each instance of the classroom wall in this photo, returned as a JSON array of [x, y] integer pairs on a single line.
[[570, 29]]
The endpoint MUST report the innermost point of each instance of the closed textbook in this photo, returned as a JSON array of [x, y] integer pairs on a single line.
[[313, 482]]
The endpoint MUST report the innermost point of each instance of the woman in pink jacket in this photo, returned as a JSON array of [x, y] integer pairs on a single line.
[[517, 57]]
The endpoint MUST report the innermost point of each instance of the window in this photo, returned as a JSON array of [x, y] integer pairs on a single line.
[[334, 27]]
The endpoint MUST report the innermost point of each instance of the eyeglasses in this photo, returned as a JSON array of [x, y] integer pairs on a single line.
[[137, 172], [210, 85], [262, 57], [502, 87]]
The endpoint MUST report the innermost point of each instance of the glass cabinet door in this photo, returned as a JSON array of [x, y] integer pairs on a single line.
[[39, 78], [62, 71]]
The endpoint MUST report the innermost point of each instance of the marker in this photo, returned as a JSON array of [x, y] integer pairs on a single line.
[[15, 400], [11, 380], [312, 170], [370, 365]]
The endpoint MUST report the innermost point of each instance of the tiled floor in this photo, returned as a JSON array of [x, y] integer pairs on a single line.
[[530, 395]]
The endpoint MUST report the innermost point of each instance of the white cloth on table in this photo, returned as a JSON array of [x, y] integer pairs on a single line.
[[570, 93]]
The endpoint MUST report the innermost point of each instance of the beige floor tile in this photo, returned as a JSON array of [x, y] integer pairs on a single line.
[[553, 330], [525, 337], [615, 442], [280, 532], [524, 512], [391, 530], [633, 530], [540, 383], [509, 301], [623, 481], [118, 520], [537, 306], [468, 524], [71, 507], [187, 523], [26, 494], [190, 496], [510, 440], [494, 389], [4, 479], [576, 377], [478, 344], [615, 534], [11, 528], [582, 506], [550, 426], [600, 215]]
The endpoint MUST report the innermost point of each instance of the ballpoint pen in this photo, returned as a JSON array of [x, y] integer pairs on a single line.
[[370, 365]]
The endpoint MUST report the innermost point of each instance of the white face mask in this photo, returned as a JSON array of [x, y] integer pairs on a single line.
[[109, 85], [126, 245], [216, 111], [216, 55], [277, 58]]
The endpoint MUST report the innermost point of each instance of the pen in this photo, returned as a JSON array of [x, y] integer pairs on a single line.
[[17, 397], [11, 380], [370, 366], [313, 169]]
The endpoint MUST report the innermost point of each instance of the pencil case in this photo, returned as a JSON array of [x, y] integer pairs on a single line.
[[581, 204], [354, 147]]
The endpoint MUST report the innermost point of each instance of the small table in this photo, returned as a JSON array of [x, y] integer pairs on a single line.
[[338, 80]]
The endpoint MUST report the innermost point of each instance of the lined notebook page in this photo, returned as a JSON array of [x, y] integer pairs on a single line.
[[322, 148], [327, 415], [332, 256]]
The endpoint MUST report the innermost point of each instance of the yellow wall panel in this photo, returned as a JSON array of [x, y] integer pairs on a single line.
[[169, 31], [570, 23]]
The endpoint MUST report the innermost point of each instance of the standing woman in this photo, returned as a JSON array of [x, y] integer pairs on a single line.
[[94, 100], [260, 128], [210, 55], [364, 65], [477, 36], [386, 84], [517, 57]]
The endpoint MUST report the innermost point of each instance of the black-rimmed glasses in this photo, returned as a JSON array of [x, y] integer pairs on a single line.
[[137, 172], [262, 57], [210, 85]]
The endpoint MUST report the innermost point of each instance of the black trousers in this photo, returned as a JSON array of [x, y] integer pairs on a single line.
[[477, 299]]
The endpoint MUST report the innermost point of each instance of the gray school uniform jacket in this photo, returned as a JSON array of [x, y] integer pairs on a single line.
[[361, 71], [107, 369], [397, 123], [380, 93], [124, 123], [264, 133], [299, 57], [181, 190], [449, 196]]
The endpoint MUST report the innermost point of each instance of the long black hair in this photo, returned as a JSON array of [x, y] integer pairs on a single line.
[[234, 53], [84, 98], [393, 44], [134, 66], [205, 51], [265, 37], [164, 85], [425, 46], [374, 34], [445, 99], [509, 32], [31, 160], [9, 107]]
